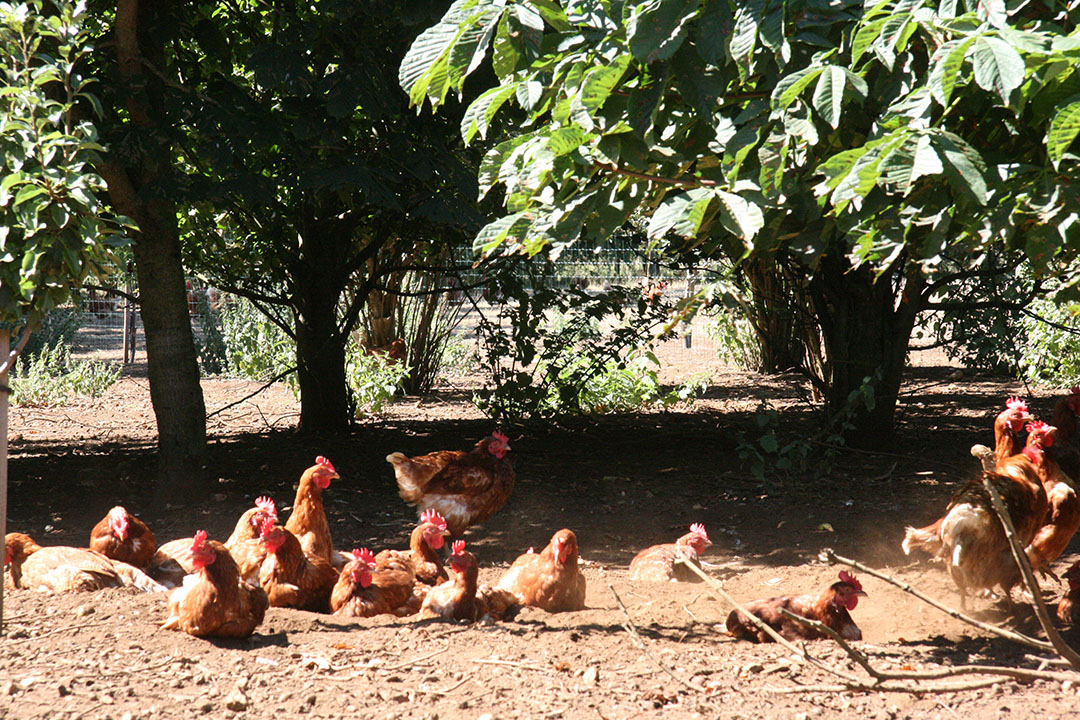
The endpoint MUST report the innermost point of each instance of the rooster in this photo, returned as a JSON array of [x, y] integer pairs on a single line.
[[1063, 506], [461, 599], [973, 541], [124, 537], [831, 608], [215, 602], [63, 569], [1007, 427], [551, 580], [290, 578], [173, 559], [365, 590], [657, 563], [308, 519], [1068, 609], [466, 488]]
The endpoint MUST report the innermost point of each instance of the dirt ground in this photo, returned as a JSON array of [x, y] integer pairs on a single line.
[[621, 482]]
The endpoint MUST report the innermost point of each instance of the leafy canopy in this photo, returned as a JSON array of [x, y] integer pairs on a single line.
[[51, 235], [920, 129]]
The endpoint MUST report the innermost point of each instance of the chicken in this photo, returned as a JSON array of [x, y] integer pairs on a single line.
[[173, 559], [550, 580], [973, 541], [1068, 609], [1007, 427], [466, 488], [290, 578], [63, 569], [1066, 449], [1063, 506], [657, 563], [365, 590], [831, 608], [124, 537], [427, 567], [215, 601], [250, 524], [308, 519], [461, 599]]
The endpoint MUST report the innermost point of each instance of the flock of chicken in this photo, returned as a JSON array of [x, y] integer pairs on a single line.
[[223, 589], [1034, 478]]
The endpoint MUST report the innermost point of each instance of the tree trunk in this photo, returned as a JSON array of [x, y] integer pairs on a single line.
[[774, 317], [865, 332], [137, 183], [320, 343]]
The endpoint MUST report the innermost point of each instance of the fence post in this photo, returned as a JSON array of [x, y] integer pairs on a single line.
[[129, 324]]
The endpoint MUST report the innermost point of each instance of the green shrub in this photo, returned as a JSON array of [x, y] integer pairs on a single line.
[[50, 377], [254, 347], [736, 341], [373, 380], [1051, 351]]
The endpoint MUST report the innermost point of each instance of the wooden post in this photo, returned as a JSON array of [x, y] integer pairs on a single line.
[[5, 346]]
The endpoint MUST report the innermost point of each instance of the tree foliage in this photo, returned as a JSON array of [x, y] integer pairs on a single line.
[[904, 144], [52, 235]]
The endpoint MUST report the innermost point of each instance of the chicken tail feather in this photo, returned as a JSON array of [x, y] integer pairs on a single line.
[[927, 539]]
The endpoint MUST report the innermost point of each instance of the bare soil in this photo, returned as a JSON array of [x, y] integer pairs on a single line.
[[621, 482]]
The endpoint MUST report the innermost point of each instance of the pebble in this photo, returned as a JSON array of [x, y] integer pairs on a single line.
[[236, 701], [590, 676], [84, 610]]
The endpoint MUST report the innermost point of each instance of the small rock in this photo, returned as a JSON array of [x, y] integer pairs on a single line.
[[64, 690], [236, 701], [204, 706], [9, 688], [754, 667], [84, 610], [486, 716], [590, 676]]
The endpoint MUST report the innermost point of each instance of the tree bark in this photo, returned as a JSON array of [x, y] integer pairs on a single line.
[[865, 331], [137, 186], [320, 369]]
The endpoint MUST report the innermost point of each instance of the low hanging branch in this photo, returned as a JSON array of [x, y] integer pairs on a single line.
[[632, 629], [1060, 646]]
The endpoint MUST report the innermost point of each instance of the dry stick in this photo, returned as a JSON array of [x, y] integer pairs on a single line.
[[763, 626], [1063, 649], [70, 628], [509, 663], [832, 557], [414, 661], [861, 659], [885, 687], [630, 628]]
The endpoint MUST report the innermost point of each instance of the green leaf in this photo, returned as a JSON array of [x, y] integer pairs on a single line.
[[865, 37], [478, 116], [495, 233], [599, 82], [739, 216], [792, 85], [743, 38], [1064, 128], [992, 12], [472, 44], [829, 94], [964, 166], [27, 192], [998, 67], [681, 212], [656, 29], [913, 159], [947, 61]]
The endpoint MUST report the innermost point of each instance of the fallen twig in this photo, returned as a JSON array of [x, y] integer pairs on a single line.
[[54, 631], [414, 661], [509, 663], [944, 672], [155, 666], [886, 687], [1060, 646], [801, 652], [832, 557], [632, 630], [453, 687]]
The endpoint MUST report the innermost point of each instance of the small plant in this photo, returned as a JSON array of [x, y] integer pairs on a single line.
[[373, 380], [255, 348], [736, 341], [50, 377]]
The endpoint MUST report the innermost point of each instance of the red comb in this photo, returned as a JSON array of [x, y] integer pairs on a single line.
[[364, 555], [1015, 403], [499, 436], [200, 538], [458, 547], [850, 579], [266, 505], [325, 463], [433, 517], [1036, 426], [699, 529]]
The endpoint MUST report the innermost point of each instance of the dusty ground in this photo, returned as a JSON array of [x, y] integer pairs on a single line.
[[620, 482]]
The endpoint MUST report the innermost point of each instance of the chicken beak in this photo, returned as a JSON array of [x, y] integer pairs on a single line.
[[862, 593]]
